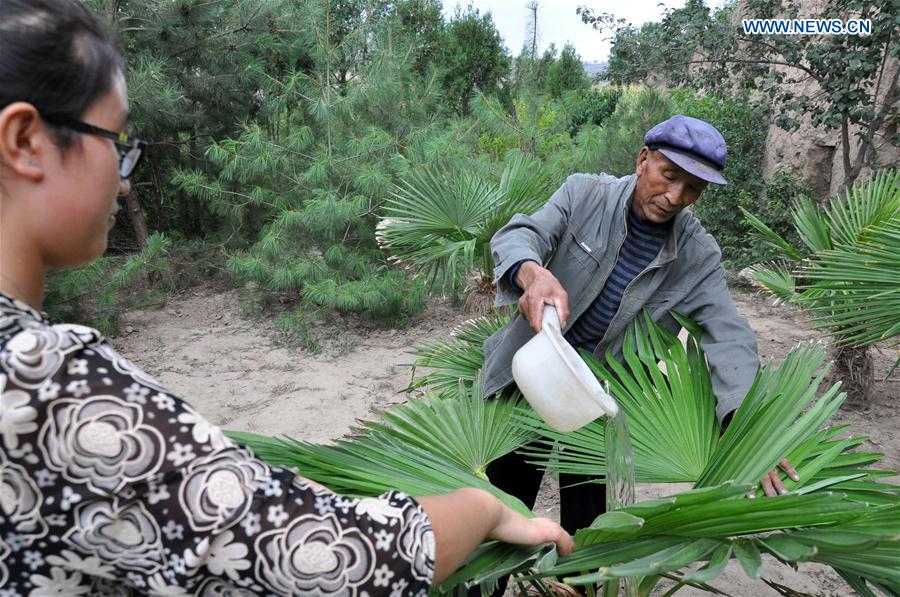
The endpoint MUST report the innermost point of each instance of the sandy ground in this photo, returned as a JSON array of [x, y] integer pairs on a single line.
[[233, 369]]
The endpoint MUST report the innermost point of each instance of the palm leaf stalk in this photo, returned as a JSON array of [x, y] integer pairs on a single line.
[[440, 224]]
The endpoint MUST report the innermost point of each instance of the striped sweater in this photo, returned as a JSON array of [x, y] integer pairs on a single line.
[[643, 240]]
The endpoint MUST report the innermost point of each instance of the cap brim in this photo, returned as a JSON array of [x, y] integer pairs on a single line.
[[694, 166]]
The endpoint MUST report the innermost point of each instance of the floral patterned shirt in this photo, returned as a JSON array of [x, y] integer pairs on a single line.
[[110, 485]]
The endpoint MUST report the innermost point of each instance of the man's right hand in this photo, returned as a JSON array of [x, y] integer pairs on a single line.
[[540, 288]]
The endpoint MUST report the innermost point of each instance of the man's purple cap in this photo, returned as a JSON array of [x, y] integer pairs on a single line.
[[695, 145]]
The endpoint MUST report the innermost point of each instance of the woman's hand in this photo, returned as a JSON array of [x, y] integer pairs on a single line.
[[515, 528], [462, 519]]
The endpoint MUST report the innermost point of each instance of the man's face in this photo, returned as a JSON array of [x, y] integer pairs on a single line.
[[663, 189]]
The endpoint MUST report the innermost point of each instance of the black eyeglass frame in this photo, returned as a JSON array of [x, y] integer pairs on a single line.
[[124, 144]]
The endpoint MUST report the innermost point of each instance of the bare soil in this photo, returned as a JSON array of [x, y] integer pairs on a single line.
[[232, 368]]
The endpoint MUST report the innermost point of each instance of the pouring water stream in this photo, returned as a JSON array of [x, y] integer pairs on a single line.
[[619, 474]]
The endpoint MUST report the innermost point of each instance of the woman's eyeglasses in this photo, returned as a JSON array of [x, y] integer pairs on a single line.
[[130, 150]]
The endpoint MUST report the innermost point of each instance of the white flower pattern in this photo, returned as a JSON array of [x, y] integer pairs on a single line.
[[127, 536], [17, 416], [218, 489], [58, 583], [101, 441], [315, 554], [20, 503], [111, 485]]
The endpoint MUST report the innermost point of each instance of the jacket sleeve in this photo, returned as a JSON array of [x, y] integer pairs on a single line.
[[728, 340], [531, 237]]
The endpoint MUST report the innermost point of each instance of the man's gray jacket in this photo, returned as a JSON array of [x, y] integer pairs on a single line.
[[577, 236]]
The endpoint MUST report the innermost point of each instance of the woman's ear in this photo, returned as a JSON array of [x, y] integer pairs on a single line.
[[23, 141]]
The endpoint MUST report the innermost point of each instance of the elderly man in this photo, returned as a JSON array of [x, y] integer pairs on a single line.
[[601, 250]]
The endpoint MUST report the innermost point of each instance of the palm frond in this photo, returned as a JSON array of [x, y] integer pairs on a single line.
[[776, 278], [870, 202], [466, 429], [432, 223], [671, 414], [526, 184], [426, 447], [811, 225], [440, 224], [859, 287], [779, 411], [717, 523], [456, 359], [848, 277], [772, 239]]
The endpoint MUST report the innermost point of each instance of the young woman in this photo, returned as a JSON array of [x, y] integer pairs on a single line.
[[108, 482]]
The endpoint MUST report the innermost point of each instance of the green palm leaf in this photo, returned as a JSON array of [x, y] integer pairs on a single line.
[[428, 446], [859, 287], [440, 224], [716, 523], [770, 238], [433, 220], [870, 202], [811, 225], [526, 184], [848, 276], [839, 513], [466, 430], [778, 279], [456, 359]]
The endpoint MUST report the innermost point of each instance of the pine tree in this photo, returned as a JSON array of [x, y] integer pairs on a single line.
[[306, 181]]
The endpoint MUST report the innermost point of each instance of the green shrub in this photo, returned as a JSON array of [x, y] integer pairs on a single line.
[[96, 294], [592, 107], [719, 207], [613, 148]]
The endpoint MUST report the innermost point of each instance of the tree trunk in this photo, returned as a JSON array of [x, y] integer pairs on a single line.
[[853, 368], [137, 219]]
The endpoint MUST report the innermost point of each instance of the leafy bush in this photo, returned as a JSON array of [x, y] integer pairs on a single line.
[[613, 147], [95, 294], [566, 74], [720, 206], [306, 201], [592, 107]]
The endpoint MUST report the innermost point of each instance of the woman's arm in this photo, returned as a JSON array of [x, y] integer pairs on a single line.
[[464, 518]]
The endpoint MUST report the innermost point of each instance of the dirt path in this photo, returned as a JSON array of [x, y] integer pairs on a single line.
[[232, 369]]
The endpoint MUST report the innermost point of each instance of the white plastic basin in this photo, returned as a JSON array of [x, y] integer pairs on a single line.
[[556, 382]]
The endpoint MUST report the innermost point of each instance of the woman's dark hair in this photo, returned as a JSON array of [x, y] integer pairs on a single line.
[[56, 56]]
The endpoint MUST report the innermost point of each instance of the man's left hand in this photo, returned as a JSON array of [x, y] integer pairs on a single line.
[[772, 484]]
